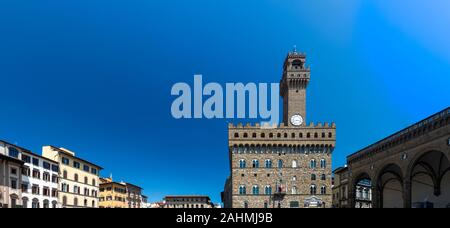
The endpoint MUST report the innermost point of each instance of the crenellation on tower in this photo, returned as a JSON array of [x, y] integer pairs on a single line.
[[282, 125]]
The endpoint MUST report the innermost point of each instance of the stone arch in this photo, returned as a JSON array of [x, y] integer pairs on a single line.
[[362, 178], [390, 186], [429, 178]]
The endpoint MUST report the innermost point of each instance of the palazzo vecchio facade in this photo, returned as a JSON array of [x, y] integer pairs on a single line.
[[284, 166]]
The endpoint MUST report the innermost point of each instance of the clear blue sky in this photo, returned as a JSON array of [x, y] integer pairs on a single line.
[[95, 76]]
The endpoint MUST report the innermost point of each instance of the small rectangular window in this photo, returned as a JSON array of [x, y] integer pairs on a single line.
[[46, 165], [46, 191], [294, 204], [14, 184], [46, 176], [25, 188], [54, 192], [36, 174], [26, 171], [26, 158], [35, 161], [35, 190], [65, 161], [13, 152]]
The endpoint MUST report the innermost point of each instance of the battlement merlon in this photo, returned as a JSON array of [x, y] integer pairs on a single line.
[[256, 126], [312, 134]]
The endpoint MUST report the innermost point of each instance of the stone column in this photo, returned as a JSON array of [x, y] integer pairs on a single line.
[[377, 196], [351, 192], [407, 193]]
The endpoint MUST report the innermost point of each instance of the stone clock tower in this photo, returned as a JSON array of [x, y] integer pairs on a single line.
[[293, 89], [287, 165]]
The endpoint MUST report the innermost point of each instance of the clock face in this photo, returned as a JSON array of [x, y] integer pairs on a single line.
[[296, 120]]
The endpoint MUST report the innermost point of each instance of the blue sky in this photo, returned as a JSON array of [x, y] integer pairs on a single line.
[[95, 76]]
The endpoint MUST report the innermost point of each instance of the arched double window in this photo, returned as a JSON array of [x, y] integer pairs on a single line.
[[323, 177], [313, 164], [268, 190], [313, 190], [255, 190], [242, 190], [323, 164], [294, 190], [313, 177], [294, 164], [255, 163], [280, 163], [268, 163], [242, 164], [323, 190], [245, 204]]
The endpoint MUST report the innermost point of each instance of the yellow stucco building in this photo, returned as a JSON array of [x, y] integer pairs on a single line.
[[79, 179], [112, 194]]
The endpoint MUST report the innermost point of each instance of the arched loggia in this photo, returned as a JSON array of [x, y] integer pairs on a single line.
[[390, 187], [430, 180]]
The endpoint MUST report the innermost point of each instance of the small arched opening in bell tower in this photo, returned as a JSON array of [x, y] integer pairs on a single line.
[[297, 64]]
